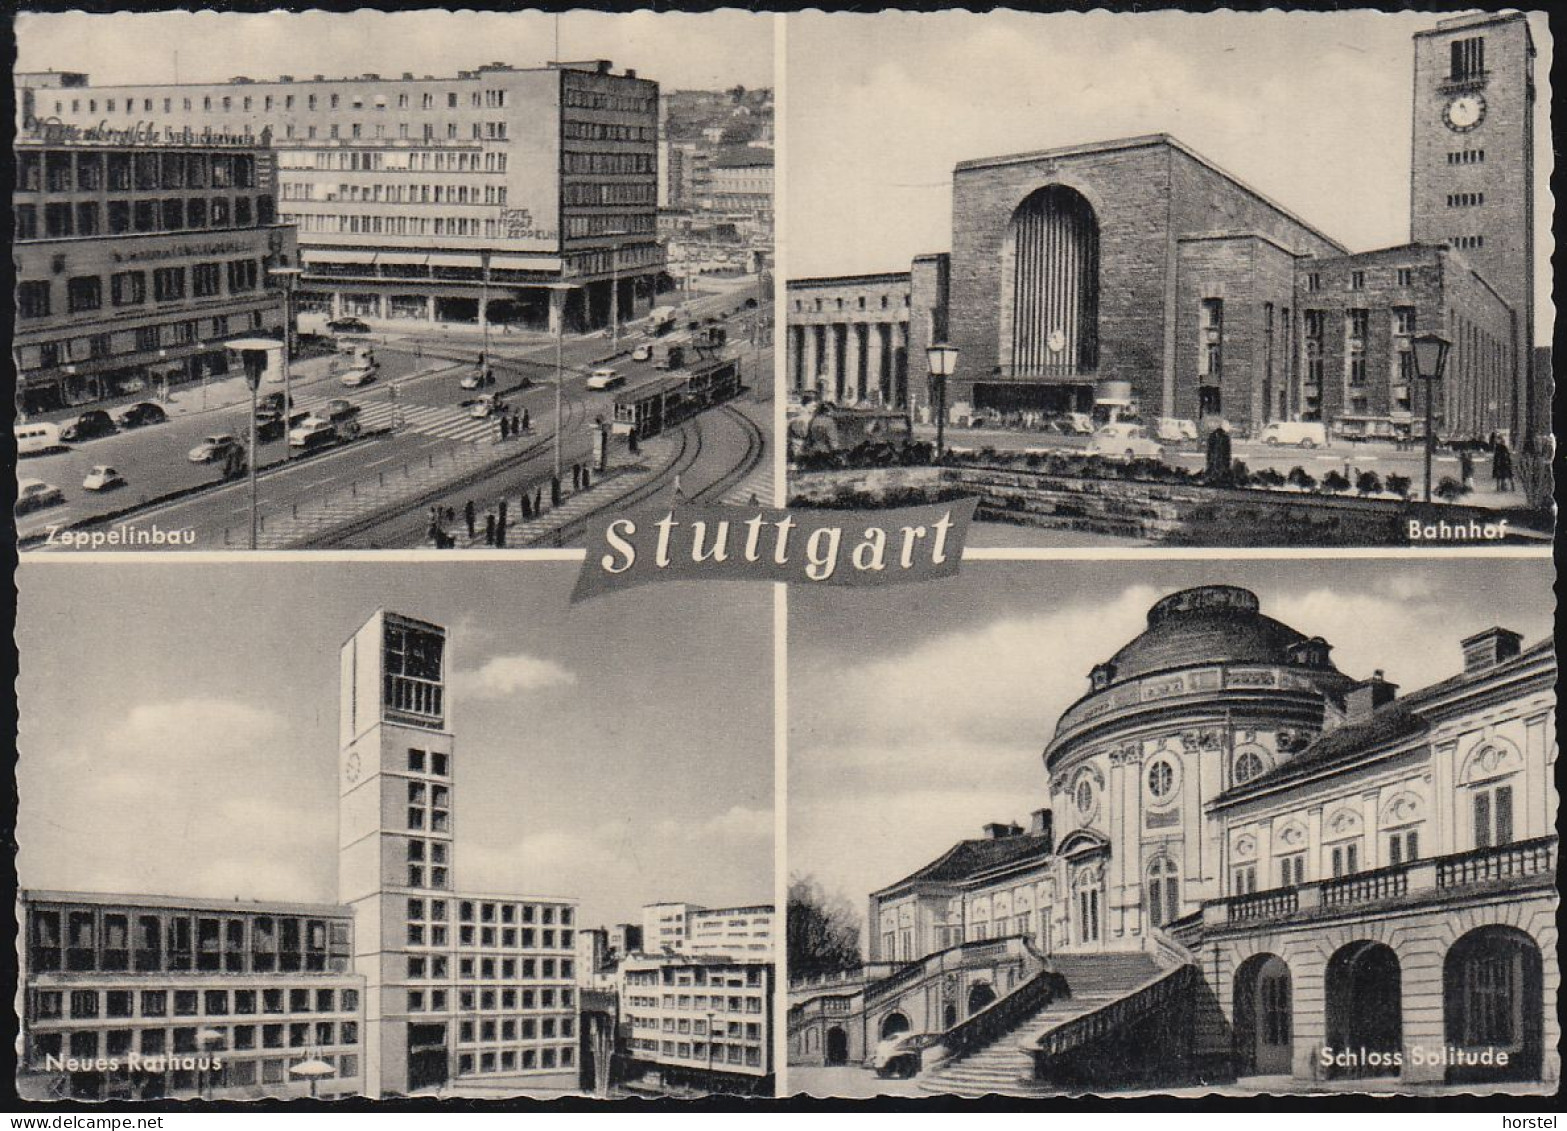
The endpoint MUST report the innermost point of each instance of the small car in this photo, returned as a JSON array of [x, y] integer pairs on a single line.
[[642, 353], [904, 1055], [1301, 433], [273, 403], [357, 376], [103, 478], [88, 425], [214, 448], [478, 379], [1173, 431], [34, 494], [348, 326], [1077, 424], [137, 415], [1129, 441], [312, 432], [605, 379], [484, 406]]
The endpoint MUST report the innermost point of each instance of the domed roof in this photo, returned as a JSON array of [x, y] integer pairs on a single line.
[[1212, 624]]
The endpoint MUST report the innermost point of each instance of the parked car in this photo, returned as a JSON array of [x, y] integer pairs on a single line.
[[1075, 424], [103, 478], [273, 403], [484, 406], [1174, 431], [357, 376], [479, 379], [312, 433], [904, 1055], [643, 352], [35, 438], [1122, 439], [213, 448], [348, 326], [34, 494], [605, 379], [1300, 433], [137, 415], [90, 424]]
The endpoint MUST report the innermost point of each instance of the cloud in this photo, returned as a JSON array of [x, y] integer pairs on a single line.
[[503, 676]]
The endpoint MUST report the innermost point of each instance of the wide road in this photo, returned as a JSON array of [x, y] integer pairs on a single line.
[[416, 405]]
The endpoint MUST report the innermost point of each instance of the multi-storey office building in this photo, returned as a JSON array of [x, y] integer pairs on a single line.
[[145, 997], [704, 1021], [458, 987], [138, 253], [744, 932], [418, 198]]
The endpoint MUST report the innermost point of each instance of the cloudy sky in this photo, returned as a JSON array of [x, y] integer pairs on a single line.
[[680, 50], [1311, 109], [920, 713], [178, 730]]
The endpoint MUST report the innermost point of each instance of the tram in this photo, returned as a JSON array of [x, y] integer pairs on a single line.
[[647, 410]]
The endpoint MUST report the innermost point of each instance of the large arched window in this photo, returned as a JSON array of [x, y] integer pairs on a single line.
[[1164, 891], [1053, 243]]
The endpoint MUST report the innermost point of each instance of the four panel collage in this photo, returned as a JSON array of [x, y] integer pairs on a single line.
[[375, 369]]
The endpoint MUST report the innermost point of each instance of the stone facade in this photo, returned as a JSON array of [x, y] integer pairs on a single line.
[[849, 339]]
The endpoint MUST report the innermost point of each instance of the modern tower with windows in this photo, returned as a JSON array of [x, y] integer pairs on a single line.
[[458, 987]]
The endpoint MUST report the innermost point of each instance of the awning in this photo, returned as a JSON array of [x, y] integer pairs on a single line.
[[523, 262], [331, 255], [401, 259], [437, 260]]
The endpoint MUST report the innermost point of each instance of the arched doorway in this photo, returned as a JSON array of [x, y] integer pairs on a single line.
[[1085, 891], [1493, 1002], [949, 1016], [893, 1024], [1365, 1010], [837, 1046], [980, 995], [1264, 1017], [1051, 291]]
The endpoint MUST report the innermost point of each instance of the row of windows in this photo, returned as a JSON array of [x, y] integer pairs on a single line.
[[620, 163], [438, 1001], [336, 223], [479, 131], [1466, 157], [490, 99], [141, 340], [799, 304], [49, 1005], [433, 966], [1465, 199], [510, 1060], [603, 100], [114, 941], [608, 194], [607, 131], [582, 227], [85, 293], [394, 193], [698, 1051], [512, 1029], [429, 762], [142, 170], [88, 1044], [1466, 243], [176, 214], [376, 160], [697, 1026], [1402, 277]]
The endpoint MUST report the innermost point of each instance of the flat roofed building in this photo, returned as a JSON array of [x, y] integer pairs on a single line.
[[704, 1021], [151, 997], [138, 254], [417, 198]]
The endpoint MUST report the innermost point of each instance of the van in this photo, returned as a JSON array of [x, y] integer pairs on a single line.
[[1299, 433], [34, 439]]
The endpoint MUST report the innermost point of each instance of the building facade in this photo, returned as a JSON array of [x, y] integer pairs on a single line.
[[130, 997], [138, 253], [1137, 270], [417, 199], [1344, 867], [703, 1021], [476, 988], [687, 928], [849, 338]]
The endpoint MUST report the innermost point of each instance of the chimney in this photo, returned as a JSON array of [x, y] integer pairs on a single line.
[[1487, 649], [408, 76], [285, 78], [1042, 824], [1001, 830], [1366, 697], [630, 74]]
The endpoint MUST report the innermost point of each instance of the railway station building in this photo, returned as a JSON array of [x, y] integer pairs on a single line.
[[137, 257], [417, 199], [1257, 856], [1137, 269]]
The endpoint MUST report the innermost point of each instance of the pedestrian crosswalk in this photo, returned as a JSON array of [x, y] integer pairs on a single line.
[[447, 422]]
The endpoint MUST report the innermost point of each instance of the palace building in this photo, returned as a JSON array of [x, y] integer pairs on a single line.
[[1247, 856], [1137, 270], [138, 256], [423, 198]]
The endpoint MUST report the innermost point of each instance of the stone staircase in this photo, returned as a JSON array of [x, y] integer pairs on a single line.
[[1003, 1067]]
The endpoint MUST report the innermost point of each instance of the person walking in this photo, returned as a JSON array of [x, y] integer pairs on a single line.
[[489, 528], [554, 490], [500, 529], [467, 514], [516, 424], [526, 423], [1466, 469], [538, 501], [501, 521], [1502, 466]]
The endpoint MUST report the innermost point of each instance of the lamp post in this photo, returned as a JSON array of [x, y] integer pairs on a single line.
[[484, 315], [943, 359], [288, 275], [614, 290], [163, 371], [1430, 352], [253, 359], [558, 295]]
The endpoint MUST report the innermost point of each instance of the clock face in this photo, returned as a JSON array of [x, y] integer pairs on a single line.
[[351, 768], [1464, 112], [1056, 341]]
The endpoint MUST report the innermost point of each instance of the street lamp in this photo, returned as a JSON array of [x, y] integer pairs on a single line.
[[943, 359], [558, 296], [253, 359], [289, 275], [1430, 352], [484, 315], [614, 290]]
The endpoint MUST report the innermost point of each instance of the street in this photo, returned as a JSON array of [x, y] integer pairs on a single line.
[[416, 421]]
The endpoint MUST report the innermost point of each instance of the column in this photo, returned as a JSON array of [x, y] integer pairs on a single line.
[[557, 310], [853, 389], [899, 378], [834, 367], [812, 352], [878, 386]]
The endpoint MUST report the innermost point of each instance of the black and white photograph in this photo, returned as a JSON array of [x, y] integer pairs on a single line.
[[378, 280], [1246, 827], [443, 835], [1223, 279]]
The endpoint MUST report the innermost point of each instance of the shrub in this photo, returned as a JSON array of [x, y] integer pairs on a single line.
[[1302, 478], [1369, 483], [1335, 482], [1270, 477], [1450, 489], [1399, 485]]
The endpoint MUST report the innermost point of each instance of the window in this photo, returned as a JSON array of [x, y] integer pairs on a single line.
[[1493, 816], [1244, 879], [1467, 58], [205, 280], [168, 284], [1248, 765], [1313, 281], [1345, 858], [85, 292], [1292, 870], [32, 299], [1357, 280], [1164, 892], [1403, 846], [1161, 779]]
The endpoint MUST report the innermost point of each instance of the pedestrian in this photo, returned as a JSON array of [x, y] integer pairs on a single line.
[[489, 528], [538, 501], [451, 515], [576, 476], [586, 478], [1502, 466], [467, 514], [500, 530], [527, 507], [526, 423], [554, 490], [516, 423], [1466, 469], [502, 520]]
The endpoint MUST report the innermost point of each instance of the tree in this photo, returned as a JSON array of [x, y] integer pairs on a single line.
[[823, 930], [1399, 485], [1335, 482], [1369, 483]]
